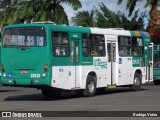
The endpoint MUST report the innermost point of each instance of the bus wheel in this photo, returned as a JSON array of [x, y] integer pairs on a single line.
[[50, 93], [90, 90], [137, 82]]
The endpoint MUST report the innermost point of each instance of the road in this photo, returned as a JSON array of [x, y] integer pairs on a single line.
[[119, 99]]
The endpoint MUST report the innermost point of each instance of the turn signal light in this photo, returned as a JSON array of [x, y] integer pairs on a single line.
[[46, 66]]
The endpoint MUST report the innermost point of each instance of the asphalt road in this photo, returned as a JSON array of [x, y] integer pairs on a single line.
[[119, 99]]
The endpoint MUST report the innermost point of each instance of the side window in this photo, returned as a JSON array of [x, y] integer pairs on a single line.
[[138, 47], [124, 46], [60, 44], [97, 45], [85, 44]]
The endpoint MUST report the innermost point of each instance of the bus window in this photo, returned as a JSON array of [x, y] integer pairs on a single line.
[[137, 46], [97, 45], [124, 43], [60, 44], [85, 44], [28, 36]]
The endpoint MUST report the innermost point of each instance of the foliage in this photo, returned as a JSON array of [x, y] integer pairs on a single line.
[[84, 18], [8, 10], [20, 11], [106, 18], [154, 22]]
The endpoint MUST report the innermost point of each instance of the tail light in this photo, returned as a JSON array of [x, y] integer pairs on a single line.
[[3, 70], [45, 70]]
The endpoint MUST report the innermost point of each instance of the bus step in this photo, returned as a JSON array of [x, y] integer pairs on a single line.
[[111, 86]]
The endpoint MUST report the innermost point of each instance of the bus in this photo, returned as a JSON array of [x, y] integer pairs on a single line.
[[54, 58], [156, 65]]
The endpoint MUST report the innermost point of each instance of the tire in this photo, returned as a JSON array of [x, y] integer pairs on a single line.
[[90, 89], [137, 82], [50, 93]]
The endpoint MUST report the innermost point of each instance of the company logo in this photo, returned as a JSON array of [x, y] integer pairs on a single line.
[[6, 114], [99, 62], [20, 114]]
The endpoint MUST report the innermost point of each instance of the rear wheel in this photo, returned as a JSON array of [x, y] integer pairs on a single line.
[[137, 82], [51, 92]]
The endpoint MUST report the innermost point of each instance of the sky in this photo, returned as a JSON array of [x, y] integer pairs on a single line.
[[88, 5]]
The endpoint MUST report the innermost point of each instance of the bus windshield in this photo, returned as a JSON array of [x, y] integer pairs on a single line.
[[24, 36]]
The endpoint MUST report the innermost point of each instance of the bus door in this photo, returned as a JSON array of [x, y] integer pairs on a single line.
[[112, 62], [150, 63], [75, 59]]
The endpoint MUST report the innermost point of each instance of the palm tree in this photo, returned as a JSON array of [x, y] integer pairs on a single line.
[[154, 23], [8, 11], [84, 18], [28, 10], [20, 11], [105, 18], [152, 3], [46, 10]]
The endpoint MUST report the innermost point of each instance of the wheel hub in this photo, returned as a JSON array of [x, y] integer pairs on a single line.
[[91, 87], [137, 82]]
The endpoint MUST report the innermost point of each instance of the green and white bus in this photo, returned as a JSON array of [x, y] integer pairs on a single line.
[[56, 57], [156, 65]]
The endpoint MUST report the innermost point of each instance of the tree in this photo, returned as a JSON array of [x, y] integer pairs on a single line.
[[56, 11], [84, 18], [154, 23], [39, 10], [8, 12], [105, 18], [119, 20]]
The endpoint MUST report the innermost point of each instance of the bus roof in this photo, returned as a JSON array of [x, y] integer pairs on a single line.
[[80, 29], [54, 27]]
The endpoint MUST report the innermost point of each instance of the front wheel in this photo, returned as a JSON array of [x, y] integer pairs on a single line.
[[137, 82], [90, 89]]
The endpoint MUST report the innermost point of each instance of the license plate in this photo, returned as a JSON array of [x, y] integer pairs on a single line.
[[24, 71]]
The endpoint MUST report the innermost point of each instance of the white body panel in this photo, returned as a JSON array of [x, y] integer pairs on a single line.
[[120, 72]]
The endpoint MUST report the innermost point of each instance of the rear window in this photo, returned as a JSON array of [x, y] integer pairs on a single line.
[[24, 36]]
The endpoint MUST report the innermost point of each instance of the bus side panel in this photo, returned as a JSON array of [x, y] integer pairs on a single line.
[[100, 68], [62, 77], [125, 71]]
